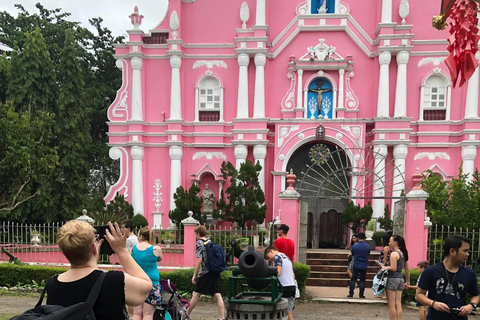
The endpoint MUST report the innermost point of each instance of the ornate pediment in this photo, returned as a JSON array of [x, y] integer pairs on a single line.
[[321, 52]]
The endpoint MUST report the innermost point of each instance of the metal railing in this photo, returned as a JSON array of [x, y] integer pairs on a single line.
[[436, 238], [37, 243]]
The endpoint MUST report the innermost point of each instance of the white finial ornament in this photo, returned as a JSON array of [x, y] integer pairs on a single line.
[[174, 24], [404, 10], [244, 14]]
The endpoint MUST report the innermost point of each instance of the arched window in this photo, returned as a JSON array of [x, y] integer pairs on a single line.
[[435, 98], [209, 99]]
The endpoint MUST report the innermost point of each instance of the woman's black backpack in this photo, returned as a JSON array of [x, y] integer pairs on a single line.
[[78, 311]]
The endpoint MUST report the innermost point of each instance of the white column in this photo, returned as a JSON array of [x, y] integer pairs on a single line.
[[137, 179], [401, 90], [259, 153], [175, 92], [384, 85], [469, 153], [137, 109], [242, 101], [341, 89], [378, 205], [241, 152], [175, 153], [261, 13], [471, 108], [299, 89], [386, 11], [400, 154], [259, 99]]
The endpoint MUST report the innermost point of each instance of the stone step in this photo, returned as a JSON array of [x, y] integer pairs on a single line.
[[333, 262], [334, 282], [339, 269], [329, 275], [335, 255]]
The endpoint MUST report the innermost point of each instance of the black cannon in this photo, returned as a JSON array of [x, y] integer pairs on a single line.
[[251, 264]]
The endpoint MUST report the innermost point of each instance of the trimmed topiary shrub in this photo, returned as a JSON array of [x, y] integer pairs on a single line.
[[139, 221], [302, 271]]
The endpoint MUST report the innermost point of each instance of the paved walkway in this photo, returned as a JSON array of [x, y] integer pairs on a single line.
[[339, 294]]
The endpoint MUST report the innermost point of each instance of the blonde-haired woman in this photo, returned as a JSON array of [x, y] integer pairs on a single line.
[[76, 239], [147, 255]]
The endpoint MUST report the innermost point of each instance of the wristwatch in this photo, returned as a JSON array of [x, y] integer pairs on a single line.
[[474, 305]]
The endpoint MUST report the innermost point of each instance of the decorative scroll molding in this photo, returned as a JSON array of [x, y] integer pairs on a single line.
[[356, 132], [432, 156], [119, 107], [343, 7], [288, 101], [404, 10], [244, 14], [174, 24], [209, 155], [302, 8], [157, 195], [284, 132], [210, 64], [351, 100], [436, 61], [121, 185]]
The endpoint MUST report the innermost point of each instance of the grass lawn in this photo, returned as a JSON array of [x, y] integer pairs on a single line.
[[7, 316]]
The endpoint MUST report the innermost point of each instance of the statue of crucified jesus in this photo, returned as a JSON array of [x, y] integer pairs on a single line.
[[319, 92]]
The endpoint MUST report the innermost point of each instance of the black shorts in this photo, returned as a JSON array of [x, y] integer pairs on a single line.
[[209, 284]]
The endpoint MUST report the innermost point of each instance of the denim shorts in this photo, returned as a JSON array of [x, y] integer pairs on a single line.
[[395, 284], [291, 302]]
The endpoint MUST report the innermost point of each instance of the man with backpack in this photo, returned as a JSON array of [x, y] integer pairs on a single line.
[[207, 281], [448, 283]]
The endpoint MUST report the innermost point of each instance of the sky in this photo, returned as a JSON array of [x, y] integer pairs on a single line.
[[114, 12]]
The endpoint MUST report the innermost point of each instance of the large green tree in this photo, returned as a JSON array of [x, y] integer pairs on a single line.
[[187, 200], [27, 159], [73, 140], [70, 73], [245, 200], [454, 203]]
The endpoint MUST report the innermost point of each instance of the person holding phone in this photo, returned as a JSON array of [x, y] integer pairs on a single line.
[[76, 240], [147, 255]]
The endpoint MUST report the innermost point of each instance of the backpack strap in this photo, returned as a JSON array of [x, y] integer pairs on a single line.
[[443, 272], [40, 300], [93, 295]]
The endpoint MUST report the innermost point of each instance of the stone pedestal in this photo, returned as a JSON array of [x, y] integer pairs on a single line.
[[247, 311]]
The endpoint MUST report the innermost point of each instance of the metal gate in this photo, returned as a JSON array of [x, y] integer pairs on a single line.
[[302, 232]]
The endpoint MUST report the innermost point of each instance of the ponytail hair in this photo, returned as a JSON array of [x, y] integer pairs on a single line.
[[147, 234], [401, 245]]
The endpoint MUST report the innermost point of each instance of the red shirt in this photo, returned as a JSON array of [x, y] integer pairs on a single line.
[[285, 246]]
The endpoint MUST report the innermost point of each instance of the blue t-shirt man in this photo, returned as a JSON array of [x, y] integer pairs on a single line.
[[360, 252], [441, 289]]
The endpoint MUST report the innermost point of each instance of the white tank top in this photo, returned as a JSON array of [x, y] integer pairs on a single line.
[[286, 278]]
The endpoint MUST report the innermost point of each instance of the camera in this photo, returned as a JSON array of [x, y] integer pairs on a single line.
[[455, 310], [105, 248]]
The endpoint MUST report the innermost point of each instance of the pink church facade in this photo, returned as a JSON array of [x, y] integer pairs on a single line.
[[358, 89]]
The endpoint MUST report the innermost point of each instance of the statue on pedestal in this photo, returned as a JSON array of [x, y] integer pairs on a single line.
[[208, 198]]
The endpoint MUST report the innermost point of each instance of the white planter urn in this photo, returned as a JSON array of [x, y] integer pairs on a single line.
[[369, 234]]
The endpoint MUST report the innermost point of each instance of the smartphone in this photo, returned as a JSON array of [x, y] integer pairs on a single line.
[[105, 248], [455, 310]]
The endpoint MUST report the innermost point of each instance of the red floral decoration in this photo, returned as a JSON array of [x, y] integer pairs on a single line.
[[461, 16]]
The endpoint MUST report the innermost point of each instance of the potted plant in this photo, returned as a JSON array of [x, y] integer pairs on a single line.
[[35, 238], [370, 229], [167, 238]]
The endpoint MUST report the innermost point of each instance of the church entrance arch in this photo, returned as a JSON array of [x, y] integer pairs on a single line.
[[329, 177]]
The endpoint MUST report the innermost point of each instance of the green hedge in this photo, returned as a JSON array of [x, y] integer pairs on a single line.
[[11, 275], [408, 295]]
